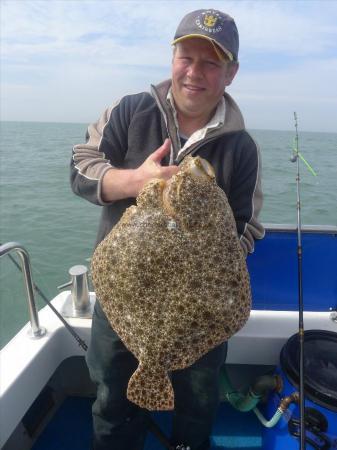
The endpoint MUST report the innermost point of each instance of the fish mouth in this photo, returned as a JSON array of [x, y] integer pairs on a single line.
[[200, 168], [196, 167]]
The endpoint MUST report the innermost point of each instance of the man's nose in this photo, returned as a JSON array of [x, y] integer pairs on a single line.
[[195, 70]]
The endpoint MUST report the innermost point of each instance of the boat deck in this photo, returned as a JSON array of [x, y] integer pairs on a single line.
[[71, 428]]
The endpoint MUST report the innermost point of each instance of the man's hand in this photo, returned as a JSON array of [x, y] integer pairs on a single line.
[[118, 184], [152, 168]]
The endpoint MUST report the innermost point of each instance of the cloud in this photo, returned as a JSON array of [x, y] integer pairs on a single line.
[[286, 27], [271, 97], [70, 59]]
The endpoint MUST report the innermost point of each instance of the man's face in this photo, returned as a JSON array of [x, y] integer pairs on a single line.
[[199, 78]]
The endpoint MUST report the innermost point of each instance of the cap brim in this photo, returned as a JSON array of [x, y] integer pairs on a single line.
[[217, 47]]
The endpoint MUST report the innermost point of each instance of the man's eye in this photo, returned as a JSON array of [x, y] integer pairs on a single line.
[[212, 63]]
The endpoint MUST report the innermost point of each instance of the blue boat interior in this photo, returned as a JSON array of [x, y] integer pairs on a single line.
[[60, 418], [273, 271], [71, 428]]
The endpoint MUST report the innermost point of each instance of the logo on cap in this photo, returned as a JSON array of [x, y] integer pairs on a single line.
[[209, 21]]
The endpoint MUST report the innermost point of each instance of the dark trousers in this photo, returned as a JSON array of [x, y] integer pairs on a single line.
[[120, 424]]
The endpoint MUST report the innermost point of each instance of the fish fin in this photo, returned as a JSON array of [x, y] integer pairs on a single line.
[[151, 389]]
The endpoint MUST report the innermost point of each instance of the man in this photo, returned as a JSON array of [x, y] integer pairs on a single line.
[[146, 136]]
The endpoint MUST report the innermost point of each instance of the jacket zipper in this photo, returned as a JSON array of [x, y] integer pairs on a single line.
[[174, 150]]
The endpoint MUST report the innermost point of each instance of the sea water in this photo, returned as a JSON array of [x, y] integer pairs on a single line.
[[39, 210]]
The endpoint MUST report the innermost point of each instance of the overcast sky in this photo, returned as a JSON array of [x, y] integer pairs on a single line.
[[65, 61]]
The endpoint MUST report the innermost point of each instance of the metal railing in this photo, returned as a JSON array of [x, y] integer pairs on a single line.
[[36, 330]]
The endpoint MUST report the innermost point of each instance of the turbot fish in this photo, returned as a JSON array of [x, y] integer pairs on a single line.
[[172, 279]]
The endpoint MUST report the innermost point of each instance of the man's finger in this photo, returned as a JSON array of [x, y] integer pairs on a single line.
[[159, 154]]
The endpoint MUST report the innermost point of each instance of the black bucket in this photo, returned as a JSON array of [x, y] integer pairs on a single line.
[[320, 389], [320, 366]]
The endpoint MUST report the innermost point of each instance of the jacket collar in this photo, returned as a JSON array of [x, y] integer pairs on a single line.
[[231, 122]]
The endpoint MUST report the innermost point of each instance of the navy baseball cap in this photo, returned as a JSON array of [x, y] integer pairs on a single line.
[[215, 26]]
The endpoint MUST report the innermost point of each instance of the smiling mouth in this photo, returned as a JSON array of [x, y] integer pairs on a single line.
[[192, 88]]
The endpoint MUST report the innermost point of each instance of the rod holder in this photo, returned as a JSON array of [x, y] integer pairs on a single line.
[[80, 298]]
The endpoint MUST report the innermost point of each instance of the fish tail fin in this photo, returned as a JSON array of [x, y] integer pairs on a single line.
[[151, 389]]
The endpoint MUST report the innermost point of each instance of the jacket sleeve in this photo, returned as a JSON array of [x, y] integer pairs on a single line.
[[105, 147], [246, 196]]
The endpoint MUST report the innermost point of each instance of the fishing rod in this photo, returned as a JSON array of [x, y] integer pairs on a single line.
[[296, 158]]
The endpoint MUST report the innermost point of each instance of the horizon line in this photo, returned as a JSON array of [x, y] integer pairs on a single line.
[[88, 123]]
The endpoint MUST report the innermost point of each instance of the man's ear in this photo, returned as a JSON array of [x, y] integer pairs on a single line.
[[232, 70]]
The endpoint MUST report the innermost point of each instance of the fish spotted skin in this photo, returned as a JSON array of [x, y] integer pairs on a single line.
[[172, 279]]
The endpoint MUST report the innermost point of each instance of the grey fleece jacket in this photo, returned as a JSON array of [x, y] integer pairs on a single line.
[[137, 125]]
